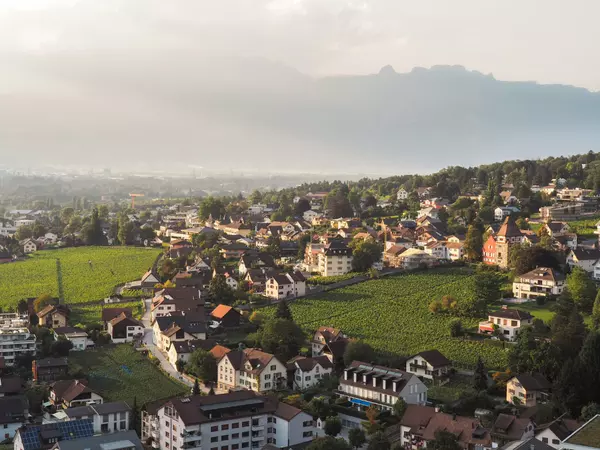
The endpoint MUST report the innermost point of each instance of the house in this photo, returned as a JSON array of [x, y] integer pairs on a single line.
[[431, 365], [502, 212], [231, 282], [109, 314], [49, 369], [335, 258], [528, 444], [527, 389], [508, 198], [288, 285], [53, 316], [555, 228], [583, 258], [218, 351], [555, 432], [124, 329], [46, 436], [508, 322], [122, 440], [50, 238], [565, 242], [110, 417], [15, 342], [178, 300], [182, 350], [489, 251], [304, 372], [455, 248], [255, 260], [14, 413], [540, 282], [402, 194], [13, 320], [508, 428], [28, 246], [226, 316], [324, 336], [251, 369], [391, 255], [587, 437], [415, 258], [562, 211], [150, 279], [311, 215], [233, 251], [420, 424], [77, 336], [10, 386], [71, 393], [257, 278], [365, 385], [186, 326], [241, 420]]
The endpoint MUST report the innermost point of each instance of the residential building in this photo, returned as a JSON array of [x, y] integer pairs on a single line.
[[420, 424], [556, 229], [77, 336], [502, 212], [430, 365], [508, 235], [489, 251], [528, 444], [124, 329], [366, 385], [71, 393], [391, 256], [10, 386], [123, 440], [335, 258], [226, 316], [46, 436], [587, 437], [304, 372], [583, 258], [110, 417], [168, 301], [150, 279], [182, 350], [414, 258], [562, 211], [254, 260], [251, 369], [324, 336], [555, 432], [28, 246], [287, 285], [540, 282], [15, 342], [402, 194], [455, 248], [13, 320], [508, 322], [14, 412], [508, 428], [49, 369], [184, 327], [109, 314], [53, 316], [239, 420], [527, 389], [311, 215]]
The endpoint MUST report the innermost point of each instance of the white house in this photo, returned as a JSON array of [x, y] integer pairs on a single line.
[[287, 285], [507, 321], [15, 413], [583, 258], [402, 194], [555, 432], [7, 230], [50, 238], [24, 222], [307, 372], [29, 246], [77, 336], [251, 369], [539, 282], [334, 259], [501, 212], [310, 215], [110, 417], [124, 329], [430, 364]]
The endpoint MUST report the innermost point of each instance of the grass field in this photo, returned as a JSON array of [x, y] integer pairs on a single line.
[[544, 312], [82, 281], [585, 228], [86, 314], [392, 315], [451, 391], [121, 373]]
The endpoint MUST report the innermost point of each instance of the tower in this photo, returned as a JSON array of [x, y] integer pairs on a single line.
[[508, 235]]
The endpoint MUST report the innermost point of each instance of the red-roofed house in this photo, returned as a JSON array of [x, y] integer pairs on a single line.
[[226, 316]]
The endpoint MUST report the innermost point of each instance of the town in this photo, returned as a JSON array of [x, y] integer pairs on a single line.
[[452, 311]]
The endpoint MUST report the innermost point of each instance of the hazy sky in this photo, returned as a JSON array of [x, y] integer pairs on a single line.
[[551, 41]]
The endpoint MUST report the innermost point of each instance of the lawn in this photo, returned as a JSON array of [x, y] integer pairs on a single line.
[[392, 315], [121, 373], [451, 391], [86, 314], [88, 273], [544, 312], [585, 228]]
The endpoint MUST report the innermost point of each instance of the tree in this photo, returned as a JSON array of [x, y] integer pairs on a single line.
[[274, 246], [364, 254], [24, 232], [93, 232], [480, 379], [22, 306], [318, 408], [196, 388], [520, 359], [582, 289], [283, 311], [356, 437], [524, 258], [203, 365], [219, 291], [333, 426], [281, 337], [61, 347], [444, 440], [180, 365], [567, 327], [256, 197], [136, 418], [358, 351], [590, 411], [595, 310], [473, 243], [338, 205], [589, 362], [455, 327], [211, 207], [400, 407], [379, 442], [41, 302], [328, 443], [257, 318], [488, 285], [302, 206]]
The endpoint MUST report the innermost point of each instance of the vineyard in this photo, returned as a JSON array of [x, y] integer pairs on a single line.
[[88, 273], [89, 314], [121, 373], [392, 315]]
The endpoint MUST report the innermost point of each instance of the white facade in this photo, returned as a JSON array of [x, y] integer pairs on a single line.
[[24, 222], [509, 328], [402, 194], [547, 436], [112, 422], [7, 230], [524, 287], [266, 380], [291, 289], [15, 342], [307, 379], [310, 215], [418, 366], [132, 332], [29, 246], [80, 340], [585, 264], [332, 265]]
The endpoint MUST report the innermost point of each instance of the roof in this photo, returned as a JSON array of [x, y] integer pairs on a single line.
[[509, 228], [110, 313], [10, 385], [543, 273], [182, 347], [125, 320], [221, 311], [588, 435], [99, 409], [556, 227], [257, 359], [583, 254], [13, 408], [262, 258], [512, 314], [307, 364], [511, 427], [190, 323], [51, 362], [533, 382], [529, 444], [561, 428], [218, 351], [114, 441], [337, 348], [69, 330], [52, 309], [32, 435], [286, 412], [337, 248], [434, 357], [69, 390]]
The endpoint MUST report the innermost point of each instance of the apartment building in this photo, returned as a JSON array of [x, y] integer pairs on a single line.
[[15, 342], [235, 421], [251, 369], [111, 417], [286, 285], [334, 259], [539, 282]]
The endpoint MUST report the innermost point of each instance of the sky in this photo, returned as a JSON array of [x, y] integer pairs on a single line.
[[56, 55]]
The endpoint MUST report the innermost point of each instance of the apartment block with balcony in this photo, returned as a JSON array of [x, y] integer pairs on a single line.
[[235, 421], [15, 342], [335, 259], [540, 282]]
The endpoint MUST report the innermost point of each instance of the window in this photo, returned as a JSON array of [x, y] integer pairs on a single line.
[[555, 441], [254, 422], [245, 434], [513, 323], [245, 445], [225, 437], [123, 425], [267, 385], [273, 367], [545, 440], [225, 427], [166, 434], [246, 424], [235, 446], [214, 439], [214, 428], [235, 425], [225, 447], [235, 436], [308, 423], [267, 377], [307, 434]]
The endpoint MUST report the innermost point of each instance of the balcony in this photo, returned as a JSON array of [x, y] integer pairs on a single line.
[[155, 444], [192, 446], [415, 367], [257, 438], [258, 427], [154, 434]]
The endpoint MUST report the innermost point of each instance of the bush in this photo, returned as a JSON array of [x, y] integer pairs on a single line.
[[455, 327], [540, 301]]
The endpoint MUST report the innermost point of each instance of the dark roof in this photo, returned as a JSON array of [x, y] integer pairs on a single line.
[[509, 228], [562, 428], [32, 435], [257, 359], [110, 313], [533, 382], [337, 248], [124, 320], [543, 273], [68, 330], [511, 427], [190, 323], [111, 407], [68, 390], [532, 444], [435, 358], [307, 364], [513, 314], [583, 254], [51, 362], [121, 439], [177, 293], [193, 345], [10, 385], [13, 408], [286, 412], [337, 348], [262, 258]]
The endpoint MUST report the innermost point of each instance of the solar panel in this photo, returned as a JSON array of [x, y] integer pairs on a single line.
[[74, 429]]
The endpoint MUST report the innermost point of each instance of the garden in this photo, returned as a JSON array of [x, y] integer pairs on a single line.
[[88, 273], [90, 314], [391, 314], [121, 373]]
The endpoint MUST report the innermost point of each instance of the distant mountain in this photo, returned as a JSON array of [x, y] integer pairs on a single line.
[[258, 114]]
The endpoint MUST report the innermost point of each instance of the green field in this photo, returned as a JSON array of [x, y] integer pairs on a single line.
[[87, 314], [392, 315], [121, 373], [82, 281], [585, 228]]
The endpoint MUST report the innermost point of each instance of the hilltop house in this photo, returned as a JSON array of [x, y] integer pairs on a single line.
[[508, 322], [539, 282]]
